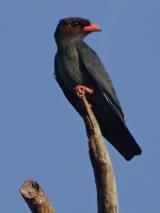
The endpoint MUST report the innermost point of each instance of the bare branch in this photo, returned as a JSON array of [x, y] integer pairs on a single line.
[[103, 171], [35, 197]]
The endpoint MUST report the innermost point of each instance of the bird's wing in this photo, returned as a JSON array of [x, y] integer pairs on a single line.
[[97, 72]]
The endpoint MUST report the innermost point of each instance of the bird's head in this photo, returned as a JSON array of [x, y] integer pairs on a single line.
[[73, 29]]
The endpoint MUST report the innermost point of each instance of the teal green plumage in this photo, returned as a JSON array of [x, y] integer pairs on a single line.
[[77, 64]]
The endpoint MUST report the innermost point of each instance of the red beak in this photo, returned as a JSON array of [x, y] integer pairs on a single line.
[[92, 28]]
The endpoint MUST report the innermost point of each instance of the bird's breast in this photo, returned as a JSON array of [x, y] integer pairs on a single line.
[[69, 68]]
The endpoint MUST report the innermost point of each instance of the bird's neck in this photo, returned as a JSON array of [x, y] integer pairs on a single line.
[[63, 43]]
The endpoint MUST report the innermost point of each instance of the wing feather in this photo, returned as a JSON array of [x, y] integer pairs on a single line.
[[99, 75]]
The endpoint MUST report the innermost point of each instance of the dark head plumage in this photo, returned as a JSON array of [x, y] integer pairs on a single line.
[[73, 28]]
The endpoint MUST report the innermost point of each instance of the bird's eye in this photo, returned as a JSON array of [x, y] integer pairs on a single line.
[[77, 24]]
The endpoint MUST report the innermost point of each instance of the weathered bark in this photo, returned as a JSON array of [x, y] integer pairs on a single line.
[[103, 171], [35, 197]]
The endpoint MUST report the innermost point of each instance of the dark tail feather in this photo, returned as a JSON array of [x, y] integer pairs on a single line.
[[122, 140], [115, 130]]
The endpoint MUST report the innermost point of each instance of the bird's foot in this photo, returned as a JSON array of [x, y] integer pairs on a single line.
[[82, 90]]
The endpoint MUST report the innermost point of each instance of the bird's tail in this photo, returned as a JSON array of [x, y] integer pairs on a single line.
[[115, 130], [124, 142]]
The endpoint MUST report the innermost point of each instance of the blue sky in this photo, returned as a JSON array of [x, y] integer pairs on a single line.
[[42, 137]]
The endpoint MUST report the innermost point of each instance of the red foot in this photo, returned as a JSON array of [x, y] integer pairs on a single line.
[[82, 90]]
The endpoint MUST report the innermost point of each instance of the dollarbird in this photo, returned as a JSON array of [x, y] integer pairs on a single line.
[[79, 71]]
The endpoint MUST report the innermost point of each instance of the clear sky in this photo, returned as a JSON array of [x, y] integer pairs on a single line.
[[41, 135]]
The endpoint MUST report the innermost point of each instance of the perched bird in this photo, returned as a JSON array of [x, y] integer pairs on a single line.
[[79, 71]]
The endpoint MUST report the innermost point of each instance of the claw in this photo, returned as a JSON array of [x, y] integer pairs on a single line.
[[82, 90]]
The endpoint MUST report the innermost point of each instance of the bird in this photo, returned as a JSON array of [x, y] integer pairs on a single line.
[[79, 71]]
